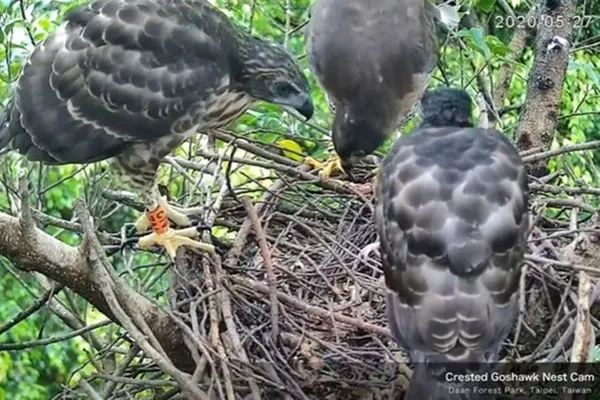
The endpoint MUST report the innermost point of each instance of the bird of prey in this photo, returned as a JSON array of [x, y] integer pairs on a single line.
[[130, 80], [373, 58], [452, 220]]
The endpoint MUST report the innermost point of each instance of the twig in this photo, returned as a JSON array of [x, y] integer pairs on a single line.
[[112, 385], [583, 341], [520, 321], [129, 199], [26, 22], [594, 145], [312, 310], [89, 390], [46, 219], [214, 333], [531, 151], [25, 219], [50, 340], [300, 171], [554, 202], [563, 189], [137, 382], [39, 303], [107, 286], [247, 146], [242, 235], [565, 264], [268, 264]]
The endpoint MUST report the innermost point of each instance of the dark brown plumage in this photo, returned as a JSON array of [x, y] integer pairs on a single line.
[[373, 58], [452, 220], [132, 79]]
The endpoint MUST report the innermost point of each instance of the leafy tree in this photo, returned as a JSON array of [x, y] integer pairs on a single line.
[[329, 335]]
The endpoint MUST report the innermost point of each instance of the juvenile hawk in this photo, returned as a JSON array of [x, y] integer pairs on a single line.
[[452, 220], [131, 80], [373, 58]]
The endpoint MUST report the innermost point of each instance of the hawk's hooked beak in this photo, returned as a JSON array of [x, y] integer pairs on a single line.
[[307, 109], [301, 102], [348, 165]]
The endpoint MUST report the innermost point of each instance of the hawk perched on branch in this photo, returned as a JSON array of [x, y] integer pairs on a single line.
[[452, 220], [373, 58], [131, 80]]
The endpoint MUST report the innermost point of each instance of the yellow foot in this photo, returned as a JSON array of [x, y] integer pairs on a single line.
[[171, 240], [173, 213], [327, 168]]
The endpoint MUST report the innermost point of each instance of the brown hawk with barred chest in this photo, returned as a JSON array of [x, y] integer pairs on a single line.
[[131, 80], [373, 58], [452, 219]]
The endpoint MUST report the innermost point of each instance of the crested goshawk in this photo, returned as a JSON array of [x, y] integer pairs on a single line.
[[130, 80], [373, 58], [452, 219]]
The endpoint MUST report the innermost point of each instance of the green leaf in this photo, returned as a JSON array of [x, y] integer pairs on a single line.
[[592, 73], [291, 149], [475, 36], [45, 24], [574, 66], [15, 68], [486, 5], [496, 45], [8, 27]]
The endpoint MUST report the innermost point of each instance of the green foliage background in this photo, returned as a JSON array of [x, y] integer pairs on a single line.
[[38, 372]]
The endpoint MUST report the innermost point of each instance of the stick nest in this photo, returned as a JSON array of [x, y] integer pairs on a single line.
[[293, 307], [302, 295]]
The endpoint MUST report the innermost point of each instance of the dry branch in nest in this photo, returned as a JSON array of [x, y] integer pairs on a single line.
[[327, 304], [292, 307]]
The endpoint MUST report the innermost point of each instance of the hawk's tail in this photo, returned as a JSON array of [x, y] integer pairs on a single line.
[[439, 380]]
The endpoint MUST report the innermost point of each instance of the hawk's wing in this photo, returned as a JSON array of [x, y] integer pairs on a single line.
[[361, 50], [119, 71], [452, 220]]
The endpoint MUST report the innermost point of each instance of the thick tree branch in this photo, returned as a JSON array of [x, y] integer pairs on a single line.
[[539, 115], [40, 252]]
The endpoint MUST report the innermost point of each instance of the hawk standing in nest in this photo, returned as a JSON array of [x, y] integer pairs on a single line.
[[373, 58], [452, 219], [131, 80]]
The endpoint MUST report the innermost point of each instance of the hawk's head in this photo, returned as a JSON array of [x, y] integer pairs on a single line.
[[271, 74], [355, 135], [446, 107]]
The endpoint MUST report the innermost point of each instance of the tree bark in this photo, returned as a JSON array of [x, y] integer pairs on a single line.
[[539, 115], [34, 250]]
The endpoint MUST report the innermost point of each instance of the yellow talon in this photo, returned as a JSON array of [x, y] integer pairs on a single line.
[[163, 235], [315, 164], [171, 240], [327, 168]]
